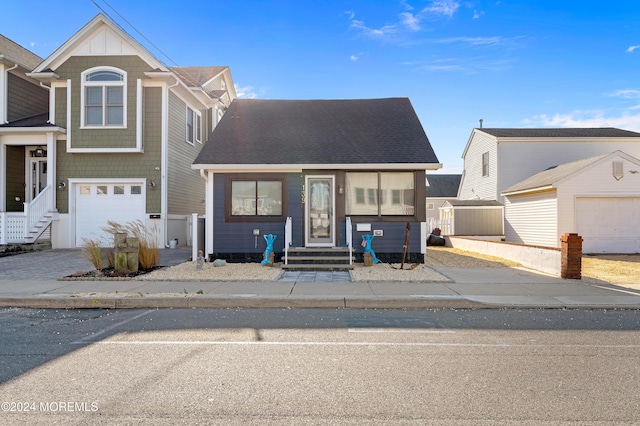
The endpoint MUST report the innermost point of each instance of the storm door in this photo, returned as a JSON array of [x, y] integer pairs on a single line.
[[320, 204], [37, 177]]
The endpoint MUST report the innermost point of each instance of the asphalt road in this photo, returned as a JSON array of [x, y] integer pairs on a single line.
[[317, 366]]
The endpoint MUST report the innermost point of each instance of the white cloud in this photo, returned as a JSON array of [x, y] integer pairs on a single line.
[[247, 92], [372, 32], [474, 41], [476, 14], [354, 57], [632, 48], [442, 7], [627, 93], [410, 21]]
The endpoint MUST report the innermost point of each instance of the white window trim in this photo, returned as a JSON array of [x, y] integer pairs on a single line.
[[84, 84], [197, 130]]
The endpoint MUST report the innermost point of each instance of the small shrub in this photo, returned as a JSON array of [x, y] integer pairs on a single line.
[[93, 251]]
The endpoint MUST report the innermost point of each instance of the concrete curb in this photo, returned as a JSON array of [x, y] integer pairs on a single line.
[[177, 302], [246, 301]]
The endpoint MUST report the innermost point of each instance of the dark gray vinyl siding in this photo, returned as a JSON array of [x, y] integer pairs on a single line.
[[238, 237], [25, 99]]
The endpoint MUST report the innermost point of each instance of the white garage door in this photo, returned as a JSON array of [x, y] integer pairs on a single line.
[[609, 224], [98, 203]]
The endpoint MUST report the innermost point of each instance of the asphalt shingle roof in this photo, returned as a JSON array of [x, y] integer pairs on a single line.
[[443, 186], [600, 132], [197, 76], [352, 131], [553, 174], [39, 120], [14, 52]]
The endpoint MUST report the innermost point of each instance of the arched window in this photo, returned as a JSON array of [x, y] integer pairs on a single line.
[[104, 94]]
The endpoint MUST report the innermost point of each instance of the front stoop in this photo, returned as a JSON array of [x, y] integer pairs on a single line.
[[318, 259]]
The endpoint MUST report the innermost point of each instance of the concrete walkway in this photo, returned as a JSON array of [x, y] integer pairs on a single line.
[[30, 280]]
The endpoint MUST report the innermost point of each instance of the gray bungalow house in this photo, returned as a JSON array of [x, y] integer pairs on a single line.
[[317, 174]]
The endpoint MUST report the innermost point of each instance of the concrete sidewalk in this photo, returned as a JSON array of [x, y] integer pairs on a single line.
[[34, 284]]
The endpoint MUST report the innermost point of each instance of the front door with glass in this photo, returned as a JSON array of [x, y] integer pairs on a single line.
[[320, 221]]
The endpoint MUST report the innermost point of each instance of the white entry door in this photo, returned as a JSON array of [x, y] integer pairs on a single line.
[[320, 206]]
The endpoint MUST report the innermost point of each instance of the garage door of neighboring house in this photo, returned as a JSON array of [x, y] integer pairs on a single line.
[[609, 224], [97, 203]]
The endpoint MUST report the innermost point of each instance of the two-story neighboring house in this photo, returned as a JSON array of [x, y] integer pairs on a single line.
[[557, 181], [495, 159], [121, 133]]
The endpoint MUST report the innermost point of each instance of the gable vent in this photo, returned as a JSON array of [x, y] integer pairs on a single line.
[[618, 169]]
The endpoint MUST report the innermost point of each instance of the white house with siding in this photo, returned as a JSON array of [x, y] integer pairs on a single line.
[[598, 198], [497, 158]]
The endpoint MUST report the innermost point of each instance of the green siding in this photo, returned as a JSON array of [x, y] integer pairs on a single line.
[[107, 165], [102, 138], [186, 187], [25, 99], [15, 178]]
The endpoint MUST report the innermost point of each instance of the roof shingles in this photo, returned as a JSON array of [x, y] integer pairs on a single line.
[[353, 131]]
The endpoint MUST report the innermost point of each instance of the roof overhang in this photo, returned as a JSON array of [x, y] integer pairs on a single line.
[[529, 190], [296, 168], [32, 130]]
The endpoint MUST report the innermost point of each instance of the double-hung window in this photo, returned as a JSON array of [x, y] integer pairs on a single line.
[[104, 94], [194, 126], [485, 164], [387, 193]]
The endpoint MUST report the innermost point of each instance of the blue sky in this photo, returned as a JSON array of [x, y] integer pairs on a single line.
[[511, 63]]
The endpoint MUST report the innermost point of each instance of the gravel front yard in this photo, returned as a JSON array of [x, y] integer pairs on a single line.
[[623, 270]]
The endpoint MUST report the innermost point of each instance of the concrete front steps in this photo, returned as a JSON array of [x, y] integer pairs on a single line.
[[318, 259]]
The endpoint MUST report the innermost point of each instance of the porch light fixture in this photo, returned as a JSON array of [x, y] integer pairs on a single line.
[[61, 186], [39, 152], [152, 185]]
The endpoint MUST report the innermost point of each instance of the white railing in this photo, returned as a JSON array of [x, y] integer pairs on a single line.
[[37, 208], [349, 237], [15, 227], [287, 239], [445, 225], [12, 226]]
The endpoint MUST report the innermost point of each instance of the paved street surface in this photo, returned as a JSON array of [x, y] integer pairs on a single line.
[[318, 366]]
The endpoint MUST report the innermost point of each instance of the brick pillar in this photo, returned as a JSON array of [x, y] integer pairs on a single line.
[[571, 256]]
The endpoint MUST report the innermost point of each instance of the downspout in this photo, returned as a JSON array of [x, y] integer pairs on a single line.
[[5, 88], [164, 203]]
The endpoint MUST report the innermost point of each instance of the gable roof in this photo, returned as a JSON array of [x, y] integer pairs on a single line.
[[473, 203], [17, 54], [318, 133], [552, 175], [599, 132], [197, 76], [443, 186], [99, 37]]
